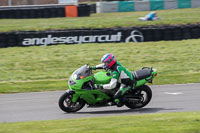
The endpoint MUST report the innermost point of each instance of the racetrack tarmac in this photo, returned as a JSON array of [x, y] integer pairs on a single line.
[[37, 106]]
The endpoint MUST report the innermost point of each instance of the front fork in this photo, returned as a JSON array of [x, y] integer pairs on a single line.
[[75, 96]]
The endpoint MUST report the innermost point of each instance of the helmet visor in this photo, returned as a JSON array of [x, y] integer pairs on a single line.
[[105, 65]]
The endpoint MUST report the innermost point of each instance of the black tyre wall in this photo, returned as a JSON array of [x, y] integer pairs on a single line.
[[42, 11], [151, 33]]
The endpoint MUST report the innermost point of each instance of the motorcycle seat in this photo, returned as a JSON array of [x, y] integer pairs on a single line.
[[142, 74]]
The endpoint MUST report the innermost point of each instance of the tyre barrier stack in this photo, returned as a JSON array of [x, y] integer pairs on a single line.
[[84, 10], [92, 8], [43, 12], [108, 35]]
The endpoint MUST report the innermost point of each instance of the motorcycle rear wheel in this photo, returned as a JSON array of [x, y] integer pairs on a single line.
[[143, 90], [65, 103]]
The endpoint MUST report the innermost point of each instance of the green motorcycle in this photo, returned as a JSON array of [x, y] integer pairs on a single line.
[[82, 91]]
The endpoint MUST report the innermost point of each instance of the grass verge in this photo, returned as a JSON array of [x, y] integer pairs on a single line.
[[47, 68], [104, 20], [187, 122]]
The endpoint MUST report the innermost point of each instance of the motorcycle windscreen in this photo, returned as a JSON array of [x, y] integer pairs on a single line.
[[82, 73]]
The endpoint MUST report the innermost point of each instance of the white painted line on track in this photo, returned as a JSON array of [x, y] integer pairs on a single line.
[[173, 93]]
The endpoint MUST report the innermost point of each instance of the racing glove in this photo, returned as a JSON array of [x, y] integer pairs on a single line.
[[96, 86]]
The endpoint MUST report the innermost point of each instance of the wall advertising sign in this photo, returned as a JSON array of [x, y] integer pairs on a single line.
[[84, 37], [67, 1]]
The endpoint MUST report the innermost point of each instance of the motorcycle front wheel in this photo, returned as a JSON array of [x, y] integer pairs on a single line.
[[141, 97], [65, 103]]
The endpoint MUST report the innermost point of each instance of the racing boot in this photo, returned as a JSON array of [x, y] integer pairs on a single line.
[[118, 99]]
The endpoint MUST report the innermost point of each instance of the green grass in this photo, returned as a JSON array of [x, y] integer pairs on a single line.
[[127, 19], [188, 122], [27, 69]]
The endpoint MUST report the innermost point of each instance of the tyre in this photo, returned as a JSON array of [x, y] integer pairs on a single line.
[[65, 103], [142, 96]]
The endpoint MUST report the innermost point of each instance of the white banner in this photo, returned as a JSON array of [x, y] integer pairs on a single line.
[[67, 1]]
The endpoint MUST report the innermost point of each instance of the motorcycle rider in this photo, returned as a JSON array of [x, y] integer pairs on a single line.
[[120, 75]]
